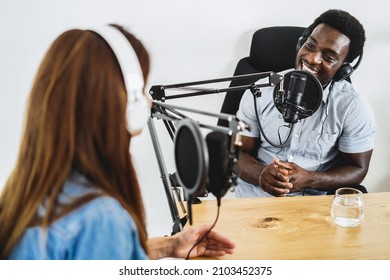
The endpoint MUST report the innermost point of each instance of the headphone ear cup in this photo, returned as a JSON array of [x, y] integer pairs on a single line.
[[137, 113], [305, 35], [300, 42], [344, 72]]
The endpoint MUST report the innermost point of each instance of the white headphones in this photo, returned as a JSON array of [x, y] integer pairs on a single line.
[[138, 111]]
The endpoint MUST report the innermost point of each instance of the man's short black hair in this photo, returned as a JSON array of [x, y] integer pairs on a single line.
[[346, 24]]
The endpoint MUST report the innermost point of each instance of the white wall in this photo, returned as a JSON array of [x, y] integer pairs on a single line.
[[188, 41]]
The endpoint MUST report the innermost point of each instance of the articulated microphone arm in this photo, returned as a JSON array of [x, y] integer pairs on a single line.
[[178, 223], [158, 91], [294, 106], [171, 114], [160, 110]]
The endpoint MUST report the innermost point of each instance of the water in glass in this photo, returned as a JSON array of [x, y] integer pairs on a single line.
[[347, 207]]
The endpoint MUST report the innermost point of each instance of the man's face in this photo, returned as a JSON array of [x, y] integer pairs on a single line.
[[323, 53]]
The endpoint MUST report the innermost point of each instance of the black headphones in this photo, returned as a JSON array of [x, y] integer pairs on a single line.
[[345, 70]]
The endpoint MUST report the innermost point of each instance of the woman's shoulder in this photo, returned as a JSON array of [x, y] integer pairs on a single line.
[[100, 229], [104, 206], [97, 206], [98, 212]]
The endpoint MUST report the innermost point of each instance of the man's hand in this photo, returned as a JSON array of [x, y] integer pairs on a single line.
[[275, 180], [297, 176]]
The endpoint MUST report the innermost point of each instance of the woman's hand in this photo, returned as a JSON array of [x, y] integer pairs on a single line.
[[213, 245], [179, 245]]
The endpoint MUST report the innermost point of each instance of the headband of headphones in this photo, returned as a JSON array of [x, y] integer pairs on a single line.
[[127, 59], [137, 112]]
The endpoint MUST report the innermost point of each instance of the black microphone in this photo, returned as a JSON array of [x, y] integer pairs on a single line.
[[201, 163], [293, 108], [304, 95], [218, 181]]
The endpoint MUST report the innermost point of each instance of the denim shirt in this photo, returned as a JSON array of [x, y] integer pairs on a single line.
[[100, 229]]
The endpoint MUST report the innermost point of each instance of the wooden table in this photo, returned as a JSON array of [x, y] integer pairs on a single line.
[[299, 228]]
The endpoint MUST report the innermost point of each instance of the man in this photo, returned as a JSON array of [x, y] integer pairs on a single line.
[[330, 149]]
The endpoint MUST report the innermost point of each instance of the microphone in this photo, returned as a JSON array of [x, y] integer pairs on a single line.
[[218, 181], [293, 107], [201, 163], [304, 95]]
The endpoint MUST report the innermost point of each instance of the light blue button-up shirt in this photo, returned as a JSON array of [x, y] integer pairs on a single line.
[[343, 122], [100, 229]]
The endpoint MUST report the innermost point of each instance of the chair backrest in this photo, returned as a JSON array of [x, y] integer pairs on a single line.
[[272, 49]]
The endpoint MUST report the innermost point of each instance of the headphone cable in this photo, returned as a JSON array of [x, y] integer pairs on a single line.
[[291, 126]]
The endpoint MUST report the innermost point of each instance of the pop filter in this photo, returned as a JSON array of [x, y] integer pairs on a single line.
[[191, 160], [304, 95], [201, 163], [191, 157]]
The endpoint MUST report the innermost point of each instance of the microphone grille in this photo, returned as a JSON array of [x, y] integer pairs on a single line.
[[312, 93]]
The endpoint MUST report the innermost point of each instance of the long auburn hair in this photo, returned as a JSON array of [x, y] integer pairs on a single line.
[[75, 121]]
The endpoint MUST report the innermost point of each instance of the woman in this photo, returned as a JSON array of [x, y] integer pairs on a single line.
[[73, 193]]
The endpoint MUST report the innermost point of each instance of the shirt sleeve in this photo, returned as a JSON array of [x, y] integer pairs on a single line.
[[360, 127], [247, 114], [109, 233]]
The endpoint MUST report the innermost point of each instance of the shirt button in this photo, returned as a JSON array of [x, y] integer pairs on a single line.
[[290, 158], [296, 135]]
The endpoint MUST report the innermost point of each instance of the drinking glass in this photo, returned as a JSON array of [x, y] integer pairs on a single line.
[[347, 207]]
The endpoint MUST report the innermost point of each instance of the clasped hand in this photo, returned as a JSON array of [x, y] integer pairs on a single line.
[[280, 178]]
